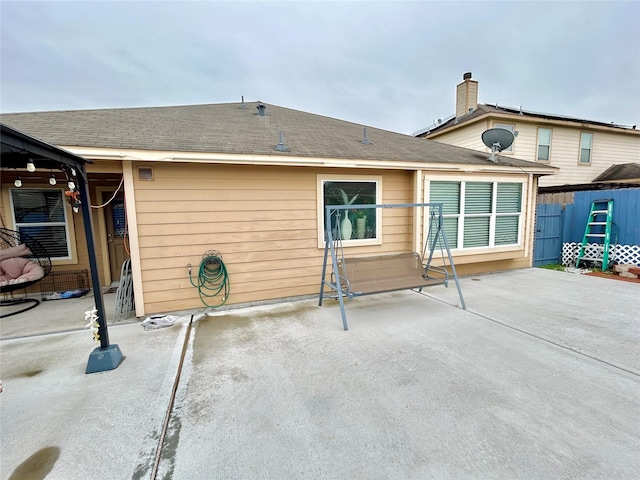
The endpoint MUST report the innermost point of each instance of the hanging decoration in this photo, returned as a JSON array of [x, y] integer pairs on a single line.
[[91, 316]]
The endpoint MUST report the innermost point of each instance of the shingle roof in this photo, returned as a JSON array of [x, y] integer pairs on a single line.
[[229, 128], [484, 109], [621, 172]]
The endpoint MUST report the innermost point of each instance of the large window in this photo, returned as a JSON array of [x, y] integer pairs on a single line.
[[586, 139], [357, 225], [479, 214], [509, 127], [544, 144], [41, 214]]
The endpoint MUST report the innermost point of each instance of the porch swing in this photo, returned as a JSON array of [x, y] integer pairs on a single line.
[[357, 276]]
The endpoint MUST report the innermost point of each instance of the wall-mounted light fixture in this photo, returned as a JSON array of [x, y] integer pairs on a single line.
[[18, 182], [31, 167]]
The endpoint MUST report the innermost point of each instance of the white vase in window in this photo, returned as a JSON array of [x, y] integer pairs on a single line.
[[346, 228]]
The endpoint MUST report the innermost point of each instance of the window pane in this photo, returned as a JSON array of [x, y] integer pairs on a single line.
[[585, 156], [447, 193], [476, 232], [53, 238], [507, 230], [509, 197], [38, 206], [478, 197], [543, 153], [585, 140], [40, 214], [450, 227], [363, 221], [544, 136]]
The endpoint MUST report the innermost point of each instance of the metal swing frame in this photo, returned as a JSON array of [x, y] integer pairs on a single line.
[[354, 276]]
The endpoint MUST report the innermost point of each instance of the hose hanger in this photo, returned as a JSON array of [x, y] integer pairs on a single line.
[[212, 279]]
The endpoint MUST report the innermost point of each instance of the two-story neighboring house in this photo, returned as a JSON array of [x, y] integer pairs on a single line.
[[581, 149]]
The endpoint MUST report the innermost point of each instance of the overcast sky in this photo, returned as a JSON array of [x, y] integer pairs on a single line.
[[391, 65]]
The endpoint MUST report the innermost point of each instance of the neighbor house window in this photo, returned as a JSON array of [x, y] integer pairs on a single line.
[[509, 127], [544, 144], [479, 214], [41, 214], [360, 225], [586, 140]]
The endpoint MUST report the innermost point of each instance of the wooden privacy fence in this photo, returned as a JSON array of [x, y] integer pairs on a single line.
[[567, 220]]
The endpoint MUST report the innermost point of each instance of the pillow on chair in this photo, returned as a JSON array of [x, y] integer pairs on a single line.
[[11, 252], [19, 270]]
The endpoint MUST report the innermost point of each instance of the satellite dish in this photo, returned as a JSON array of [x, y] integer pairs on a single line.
[[497, 139]]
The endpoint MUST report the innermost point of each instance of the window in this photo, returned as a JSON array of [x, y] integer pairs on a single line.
[[41, 214], [544, 144], [509, 127], [362, 225], [479, 214], [586, 139]]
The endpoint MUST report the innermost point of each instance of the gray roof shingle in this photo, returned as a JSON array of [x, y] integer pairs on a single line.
[[228, 128], [620, 172], [483, 109]]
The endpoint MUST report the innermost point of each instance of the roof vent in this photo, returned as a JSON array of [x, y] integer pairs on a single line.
[[281, 147], [242, 105], [261, 108], [365, 140]]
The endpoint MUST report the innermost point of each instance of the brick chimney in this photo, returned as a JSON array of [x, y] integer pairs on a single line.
[[466, 95]]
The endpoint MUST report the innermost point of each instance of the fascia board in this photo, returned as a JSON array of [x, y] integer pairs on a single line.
[[292, 161]]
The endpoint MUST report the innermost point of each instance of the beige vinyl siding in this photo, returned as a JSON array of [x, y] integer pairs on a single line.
[[467, 137], [607, 149], [525, 144], [261, 219]]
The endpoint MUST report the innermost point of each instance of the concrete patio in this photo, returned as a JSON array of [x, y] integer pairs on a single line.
[[539, 378]]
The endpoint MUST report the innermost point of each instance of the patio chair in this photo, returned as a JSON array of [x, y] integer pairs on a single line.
[[23, 262]]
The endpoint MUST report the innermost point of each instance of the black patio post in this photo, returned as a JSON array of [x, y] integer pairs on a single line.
[[106, 356]]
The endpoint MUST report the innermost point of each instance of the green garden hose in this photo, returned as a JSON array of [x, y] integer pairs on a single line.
[[213, 278]]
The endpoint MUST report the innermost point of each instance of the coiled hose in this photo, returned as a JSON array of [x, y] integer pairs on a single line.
[[213, 278]]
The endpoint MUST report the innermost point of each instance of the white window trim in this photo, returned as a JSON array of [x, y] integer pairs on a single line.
[[492, 248], [580, 162], [71, 258], [546, 145], [321, 179]]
